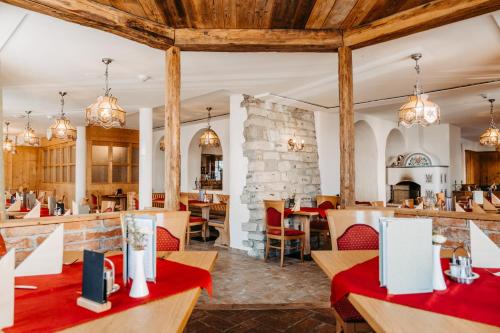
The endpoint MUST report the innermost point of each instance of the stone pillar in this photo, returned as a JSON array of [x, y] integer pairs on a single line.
[[145, 157], [81, 164]]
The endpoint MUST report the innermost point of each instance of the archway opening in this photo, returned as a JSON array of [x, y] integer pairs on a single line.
[[205, 164], [366, 162], [395, 145]]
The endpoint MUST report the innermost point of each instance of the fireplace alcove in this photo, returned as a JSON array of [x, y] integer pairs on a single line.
[[404, 190]]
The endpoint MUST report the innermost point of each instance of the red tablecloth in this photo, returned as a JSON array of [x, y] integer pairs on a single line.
[[52, 306], [479, 301]]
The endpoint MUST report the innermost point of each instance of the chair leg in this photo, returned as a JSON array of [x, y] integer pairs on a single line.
[[203, 232], [282, 252], [268, 242], [188, 235], [302, 241]]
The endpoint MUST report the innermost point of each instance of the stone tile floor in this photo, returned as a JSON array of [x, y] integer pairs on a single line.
[[240, 279], [246, 321]]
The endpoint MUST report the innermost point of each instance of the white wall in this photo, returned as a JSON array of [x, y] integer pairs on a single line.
[[395, 145], [191, 154], [238, 212], [327, 136], [365, 162]]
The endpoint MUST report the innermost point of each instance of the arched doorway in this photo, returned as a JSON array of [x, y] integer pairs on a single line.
[[395, 145], [205, 164], [365, 162]]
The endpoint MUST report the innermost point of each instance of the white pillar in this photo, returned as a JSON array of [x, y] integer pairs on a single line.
[[2, 185], [145, 157], [81, 164]]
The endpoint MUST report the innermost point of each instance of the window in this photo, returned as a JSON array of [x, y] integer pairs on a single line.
[[114, 163], [57, 164]]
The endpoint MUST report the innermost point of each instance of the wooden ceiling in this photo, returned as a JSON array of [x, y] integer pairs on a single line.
[[260, 25]]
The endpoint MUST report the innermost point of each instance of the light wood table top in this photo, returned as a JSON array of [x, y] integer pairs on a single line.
[[169, 314], [390, 317], [301, 213]]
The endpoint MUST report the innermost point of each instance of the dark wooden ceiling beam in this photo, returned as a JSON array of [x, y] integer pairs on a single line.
[[96, 15], [417, 19], [258, 40]]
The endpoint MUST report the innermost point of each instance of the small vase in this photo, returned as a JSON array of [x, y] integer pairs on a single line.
[[139, 286], [438, 282]]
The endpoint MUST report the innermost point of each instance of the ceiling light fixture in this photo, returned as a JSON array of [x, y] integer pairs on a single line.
[[29, 134], [419, 110], [491, 135], [105, 112], [209, 138], [62, 128], [8, 145]]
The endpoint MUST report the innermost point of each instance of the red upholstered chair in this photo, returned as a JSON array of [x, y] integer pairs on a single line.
[[198, 223], [319, 226], [356, 237], [275, 229], [3, 248], [165, 241]]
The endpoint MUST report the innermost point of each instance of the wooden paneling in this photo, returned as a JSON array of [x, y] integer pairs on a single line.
[[22, 169], [482, 168]]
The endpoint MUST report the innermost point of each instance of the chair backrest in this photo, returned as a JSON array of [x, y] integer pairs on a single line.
[[131, 200], [183, 202], [108, 206], [274, 211], [323, 200], [341, 219], [41, 196], [358, 237], [175, 222], [377, 203], [3, 247], [223, 198], [165, 241]]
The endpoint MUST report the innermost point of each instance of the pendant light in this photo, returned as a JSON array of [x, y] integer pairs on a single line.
[[8, 145], [209, 138], [29, 134], [419, 110], [105, 112], [62, 128], [491, 135]]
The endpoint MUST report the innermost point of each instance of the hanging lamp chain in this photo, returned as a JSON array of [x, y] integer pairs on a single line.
[[107, 61], [209, 109], [7, 123], [492, 121], [418, 86], [62, 94], [28, 125]]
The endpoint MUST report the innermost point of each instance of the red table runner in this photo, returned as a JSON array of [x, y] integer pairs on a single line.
[[52, 306], [479, 301]]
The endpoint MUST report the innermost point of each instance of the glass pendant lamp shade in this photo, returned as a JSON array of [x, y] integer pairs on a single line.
[[62, 128], [29, 134], [209, 138], [8, 145], [106, 112], [491, 135], [419, 110]]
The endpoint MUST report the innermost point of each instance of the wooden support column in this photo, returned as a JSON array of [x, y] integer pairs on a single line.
[[172, 128], [346, 128]]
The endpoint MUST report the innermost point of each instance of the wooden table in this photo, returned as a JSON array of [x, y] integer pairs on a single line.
[[16, 215], [390, 317], [205, 213], [305, 220], [169, 314], [121, 199]]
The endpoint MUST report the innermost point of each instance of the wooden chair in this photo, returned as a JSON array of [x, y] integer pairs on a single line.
[[341, 219], [107, 206], [194, 221], [319, 226], [220, 223], [132, 202], [440, 200], [355, 237], [95, 201], [274, 212], [171, 228], [158, 200]]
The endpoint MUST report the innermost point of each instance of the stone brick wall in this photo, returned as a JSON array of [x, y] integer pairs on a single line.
[[101, 232], [273, 170], [455, 226]]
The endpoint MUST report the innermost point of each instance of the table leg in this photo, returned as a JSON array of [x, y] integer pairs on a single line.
[[205, 213], [306, 225]]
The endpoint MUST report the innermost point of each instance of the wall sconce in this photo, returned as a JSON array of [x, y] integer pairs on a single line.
[[294, 145]]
